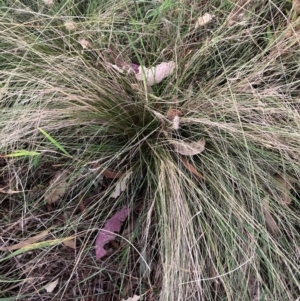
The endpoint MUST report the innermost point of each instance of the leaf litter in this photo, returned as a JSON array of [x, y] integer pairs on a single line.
[[51, 286], [156, 74], [134, 298], [188, 148], [58, 187], [121, 185], [202, 20], [152, 75], [107, 234], [284, 185]]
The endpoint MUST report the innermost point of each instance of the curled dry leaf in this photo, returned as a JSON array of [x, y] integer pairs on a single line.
[[206, 18], [110, 174], [296, 5], [188, 149], [270, 222], [107, 234], [239, 11], [284, 185], [58, 187], [176, 122], [26, 242], [51, 286], [192, 169], [174, 116], [134, 298], [121, 185], [85, 44], [155, 75], [70, 25], [71, 243], [48, 2]]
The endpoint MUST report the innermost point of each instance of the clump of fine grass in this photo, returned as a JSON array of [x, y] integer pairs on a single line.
[[230, 236]]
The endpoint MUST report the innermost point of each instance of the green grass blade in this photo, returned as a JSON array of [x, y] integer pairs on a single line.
[[54, 142], [23, 153]]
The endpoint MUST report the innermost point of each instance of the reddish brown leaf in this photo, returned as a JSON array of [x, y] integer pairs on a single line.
[[107, 234], [284, 185], [110, 174], [192, 169]]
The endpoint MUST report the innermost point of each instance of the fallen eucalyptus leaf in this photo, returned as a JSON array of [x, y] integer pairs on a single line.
[[107, 234], [85, 44], [48, 2], [58, 187], [155, 75], [296, 5], [70, 243], [239, 11], [284, 185], [70, 25], [51, 286], [134, 298], [202, 20], [174, 116], [188, 149], [270, 221], [121, 185], [192, 169]]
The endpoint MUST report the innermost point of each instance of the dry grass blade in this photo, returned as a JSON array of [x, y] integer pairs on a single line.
[[5, 190], [87, 84], [26, 242]]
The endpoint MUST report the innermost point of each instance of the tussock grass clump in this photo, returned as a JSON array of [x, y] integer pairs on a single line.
[[219, 225]]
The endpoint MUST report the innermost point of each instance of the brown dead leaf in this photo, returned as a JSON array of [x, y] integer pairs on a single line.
[[296, 5], [188, 148], [121, 185], [85, 44], [57, 187], [70, 25], [51, 286], [284, 185], [192, 169], [48, 2], [156, 74], [174, 116], [110, 174], [202, 20], [27, 242], [270, 222], [81, 206], [70, 243], [239, 11]]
